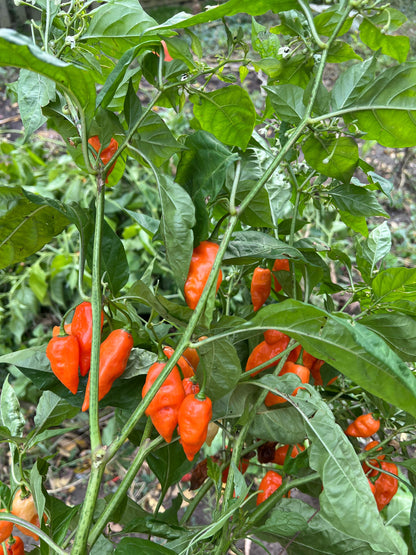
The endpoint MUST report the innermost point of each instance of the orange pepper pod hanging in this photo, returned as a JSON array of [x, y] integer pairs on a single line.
[[24, 507], [114, 355], [164, 407], [261, 285], [63, 354], [278, 266], [184, 365], [193, 419], [265, 351], [202, 261], [15, 547], [386, 486], [270, 483], [363, 426], [281, 452], [6, 528], [81, 328], [107, 153], [368, 470], [288, 368]]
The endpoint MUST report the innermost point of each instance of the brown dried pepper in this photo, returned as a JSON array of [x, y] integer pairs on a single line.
[[63, 354], [81, 328], [194, 416], [202, 261], [261, 285], [164, 407], [114, 354]]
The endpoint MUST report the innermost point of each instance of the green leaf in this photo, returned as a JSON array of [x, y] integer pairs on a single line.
[[227, 113], [348, 346], [378, 245], [395, 46], [395, 283], [11, 415], [341, 52], [132, 106], [283, 425], [25, 226], [326, 22], [61, 516], [219, 361], [352, 82], [333, 156], [249, 246], [178, 219], [265, 43], [19, 51], [138, 546], [287, 100], [356, 223], [52, 411], [281, 523], [358, 201], [33, 92], [169, 464], [154, 140]]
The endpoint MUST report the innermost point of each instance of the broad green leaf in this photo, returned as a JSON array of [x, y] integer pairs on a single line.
[[19, 51], [341, 52], [326, 21], [352, 82], [139, 363], [61, 516], [385, 110], [356, 223], [281, 523], [333, 156], [227, 113], [265, 43], [358, 201], [219, 361], [25, 226], [394, 46], [377, 245], [169, 464], [283, 425], [395, 284], [34, 91], [52, 411], [348, 346], [135, 519], [287, 100], [136, 546], [249, 246], [11, 415], [178, 219], [154, 140]]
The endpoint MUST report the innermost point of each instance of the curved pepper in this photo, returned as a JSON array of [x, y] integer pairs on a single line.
[[270, 483], [281, 452], [193, 419], [183, 363], [386, 486], [107, 153], [24, 507], [63, 354], [114, 355], [288, 368], [370, 472], [81, 328], [265, 351], [164, 407], [203, 258], [363, 426], [261, 285]]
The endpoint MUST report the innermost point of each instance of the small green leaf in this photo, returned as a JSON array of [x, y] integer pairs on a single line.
[[341, 52], [249, 246], [358, 201], [220, 362], [52, 411], [287, 100], [398, 330], [395, 283], [154, 140], [378, 245], [333, 156], [138, 546], [33, 92], [11, 415]]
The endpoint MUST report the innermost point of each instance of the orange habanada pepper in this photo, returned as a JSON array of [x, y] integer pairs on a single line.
[[56, 330], [24, 507], [288, 368], [270, 483], [202, 261], [63, 354], [81, 327], [193, 419], [186, 368], [265, 351], [261, 285], [107, 153], [386, 486], [6, 528], [114, 355], [370, 472], [14, 546], [164, 407], [278, 266], [281, 452], [363, 426]]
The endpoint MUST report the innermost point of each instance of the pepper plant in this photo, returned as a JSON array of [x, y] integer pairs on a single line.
[[250, 174]]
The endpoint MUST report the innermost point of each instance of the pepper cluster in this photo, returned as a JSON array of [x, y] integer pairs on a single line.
[[70, 354], [178, 403]]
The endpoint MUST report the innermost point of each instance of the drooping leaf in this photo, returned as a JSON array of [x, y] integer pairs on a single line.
[[11, 415], [358, 201], [154, 140], [52, 411], [249, 246], [132, 546], [34, 91]]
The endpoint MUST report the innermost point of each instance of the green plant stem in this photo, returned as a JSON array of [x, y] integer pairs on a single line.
[[234, 187], [123, 488], [195, 501], [305, 8], [9, 517]]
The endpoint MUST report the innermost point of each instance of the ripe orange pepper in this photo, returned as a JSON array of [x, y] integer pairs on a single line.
[[261, 285], [363, 426], [81, 328], [56, 330], [114, 355], [386, 486], [15, 547], [107, 153], [184, 365], [288, 368], [193, 419], [190, 387], [6, 528], [281, 452], [164, 407], [24, 507], [370, 472], [265, 351], [279, 265], [203, 258], [270, 483], [63, 354]]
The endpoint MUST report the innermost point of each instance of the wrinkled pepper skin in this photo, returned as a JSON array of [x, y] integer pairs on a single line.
[[25, 508], [164, 407], [114, 355], [107, 153], [16, 548], [261, 285], [63, 354], [278, 266], [363, 426], [265, 351], [203, 258], [81, 328], [281, 452], [6, 528], [270, 483], [193, 419], [370, 472], [186, 368], [190, 387], [386, 486], [288, 368]]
